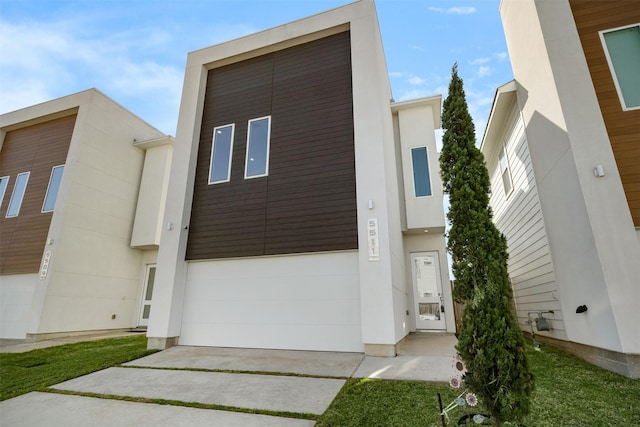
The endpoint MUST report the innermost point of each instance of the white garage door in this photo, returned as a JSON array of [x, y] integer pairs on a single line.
[[301, 302]]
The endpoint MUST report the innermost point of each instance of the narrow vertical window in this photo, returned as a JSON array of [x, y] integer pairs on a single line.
[[52, 189], [257, 161], [4, 181], [421, 179], [504, 172], [221, 151], [622, 48], [18, 194]]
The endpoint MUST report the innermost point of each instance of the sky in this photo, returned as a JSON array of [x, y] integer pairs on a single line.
[[135, 51]]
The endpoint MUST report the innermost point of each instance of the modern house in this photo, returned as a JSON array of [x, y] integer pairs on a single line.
[[82, 181], [304, 208], [563, 150]]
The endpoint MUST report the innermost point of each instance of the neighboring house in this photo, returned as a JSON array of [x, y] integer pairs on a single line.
[[79, 219], [304, 208], [563, 149]]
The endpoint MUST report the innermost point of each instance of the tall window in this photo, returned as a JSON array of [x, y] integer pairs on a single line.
[[52, 189], [257, 161], [221, 150], [4, 181], [421, 178], [18, 194], [622, 48], [504, 172]]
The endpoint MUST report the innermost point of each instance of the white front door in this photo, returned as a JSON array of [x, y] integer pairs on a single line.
[[427, 291], [147, 294]]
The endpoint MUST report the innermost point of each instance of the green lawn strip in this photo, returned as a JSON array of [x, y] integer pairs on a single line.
[[237, 371], [284, 414], [374, 402], [569, 392], [35, 370]]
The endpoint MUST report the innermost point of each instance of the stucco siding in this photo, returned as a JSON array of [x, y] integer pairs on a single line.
[[16, 294]]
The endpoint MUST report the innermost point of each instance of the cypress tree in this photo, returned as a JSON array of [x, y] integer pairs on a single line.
[[490, 341]]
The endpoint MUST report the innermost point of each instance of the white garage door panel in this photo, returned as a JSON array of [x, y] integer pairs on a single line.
[[305, 302]]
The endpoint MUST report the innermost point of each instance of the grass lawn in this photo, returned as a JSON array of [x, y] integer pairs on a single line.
[[21, 373], [569, 392]]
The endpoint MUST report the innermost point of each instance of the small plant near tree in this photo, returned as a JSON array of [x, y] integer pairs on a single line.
[[490, 342]]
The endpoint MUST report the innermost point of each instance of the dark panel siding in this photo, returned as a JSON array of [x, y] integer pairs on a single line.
[[308, 201], [36, 149], [623, 127]]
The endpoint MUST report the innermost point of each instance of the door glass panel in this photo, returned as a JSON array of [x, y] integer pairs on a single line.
[[150, 280], [429, 311], [145, 311]]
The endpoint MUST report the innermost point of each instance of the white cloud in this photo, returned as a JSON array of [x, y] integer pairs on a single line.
[[455, 10], [479, 61], [416, 47], [410, 78], [501, 56], [484, 71]]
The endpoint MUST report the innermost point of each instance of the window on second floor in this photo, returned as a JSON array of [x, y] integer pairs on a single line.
[[503, 162], [4, 181], [52, 189], [221, 151], [421, 178], [257, 160], [622, 49], [17, 195]]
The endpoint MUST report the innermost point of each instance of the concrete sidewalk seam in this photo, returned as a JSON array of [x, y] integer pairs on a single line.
[[180, 403], [237, 371]]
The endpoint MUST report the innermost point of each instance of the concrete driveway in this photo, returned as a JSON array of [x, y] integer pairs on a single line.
[[274, 382]]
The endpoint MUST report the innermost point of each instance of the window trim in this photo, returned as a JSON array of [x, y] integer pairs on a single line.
[[46, 196], [503, 149], [246, 159], [413, 172], [13, 194], [612, 69], [3, 190], [213, 146]]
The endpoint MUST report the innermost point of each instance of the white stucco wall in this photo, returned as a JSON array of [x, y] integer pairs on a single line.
[[304, 302], [16, 295], [417, 121], [93, 273], [149, 219], [589, 227]]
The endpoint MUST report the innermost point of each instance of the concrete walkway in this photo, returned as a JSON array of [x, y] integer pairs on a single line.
[[301, 382]]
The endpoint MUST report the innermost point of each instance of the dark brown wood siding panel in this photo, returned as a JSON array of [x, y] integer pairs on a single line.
[[35, 149], [307, 203], [623, 127]]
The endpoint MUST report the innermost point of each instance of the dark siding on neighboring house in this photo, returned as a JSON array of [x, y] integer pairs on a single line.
[[623, 127], [307, 203], [36, 149]]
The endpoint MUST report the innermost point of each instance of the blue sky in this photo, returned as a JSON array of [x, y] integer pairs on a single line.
[[135, 51]]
